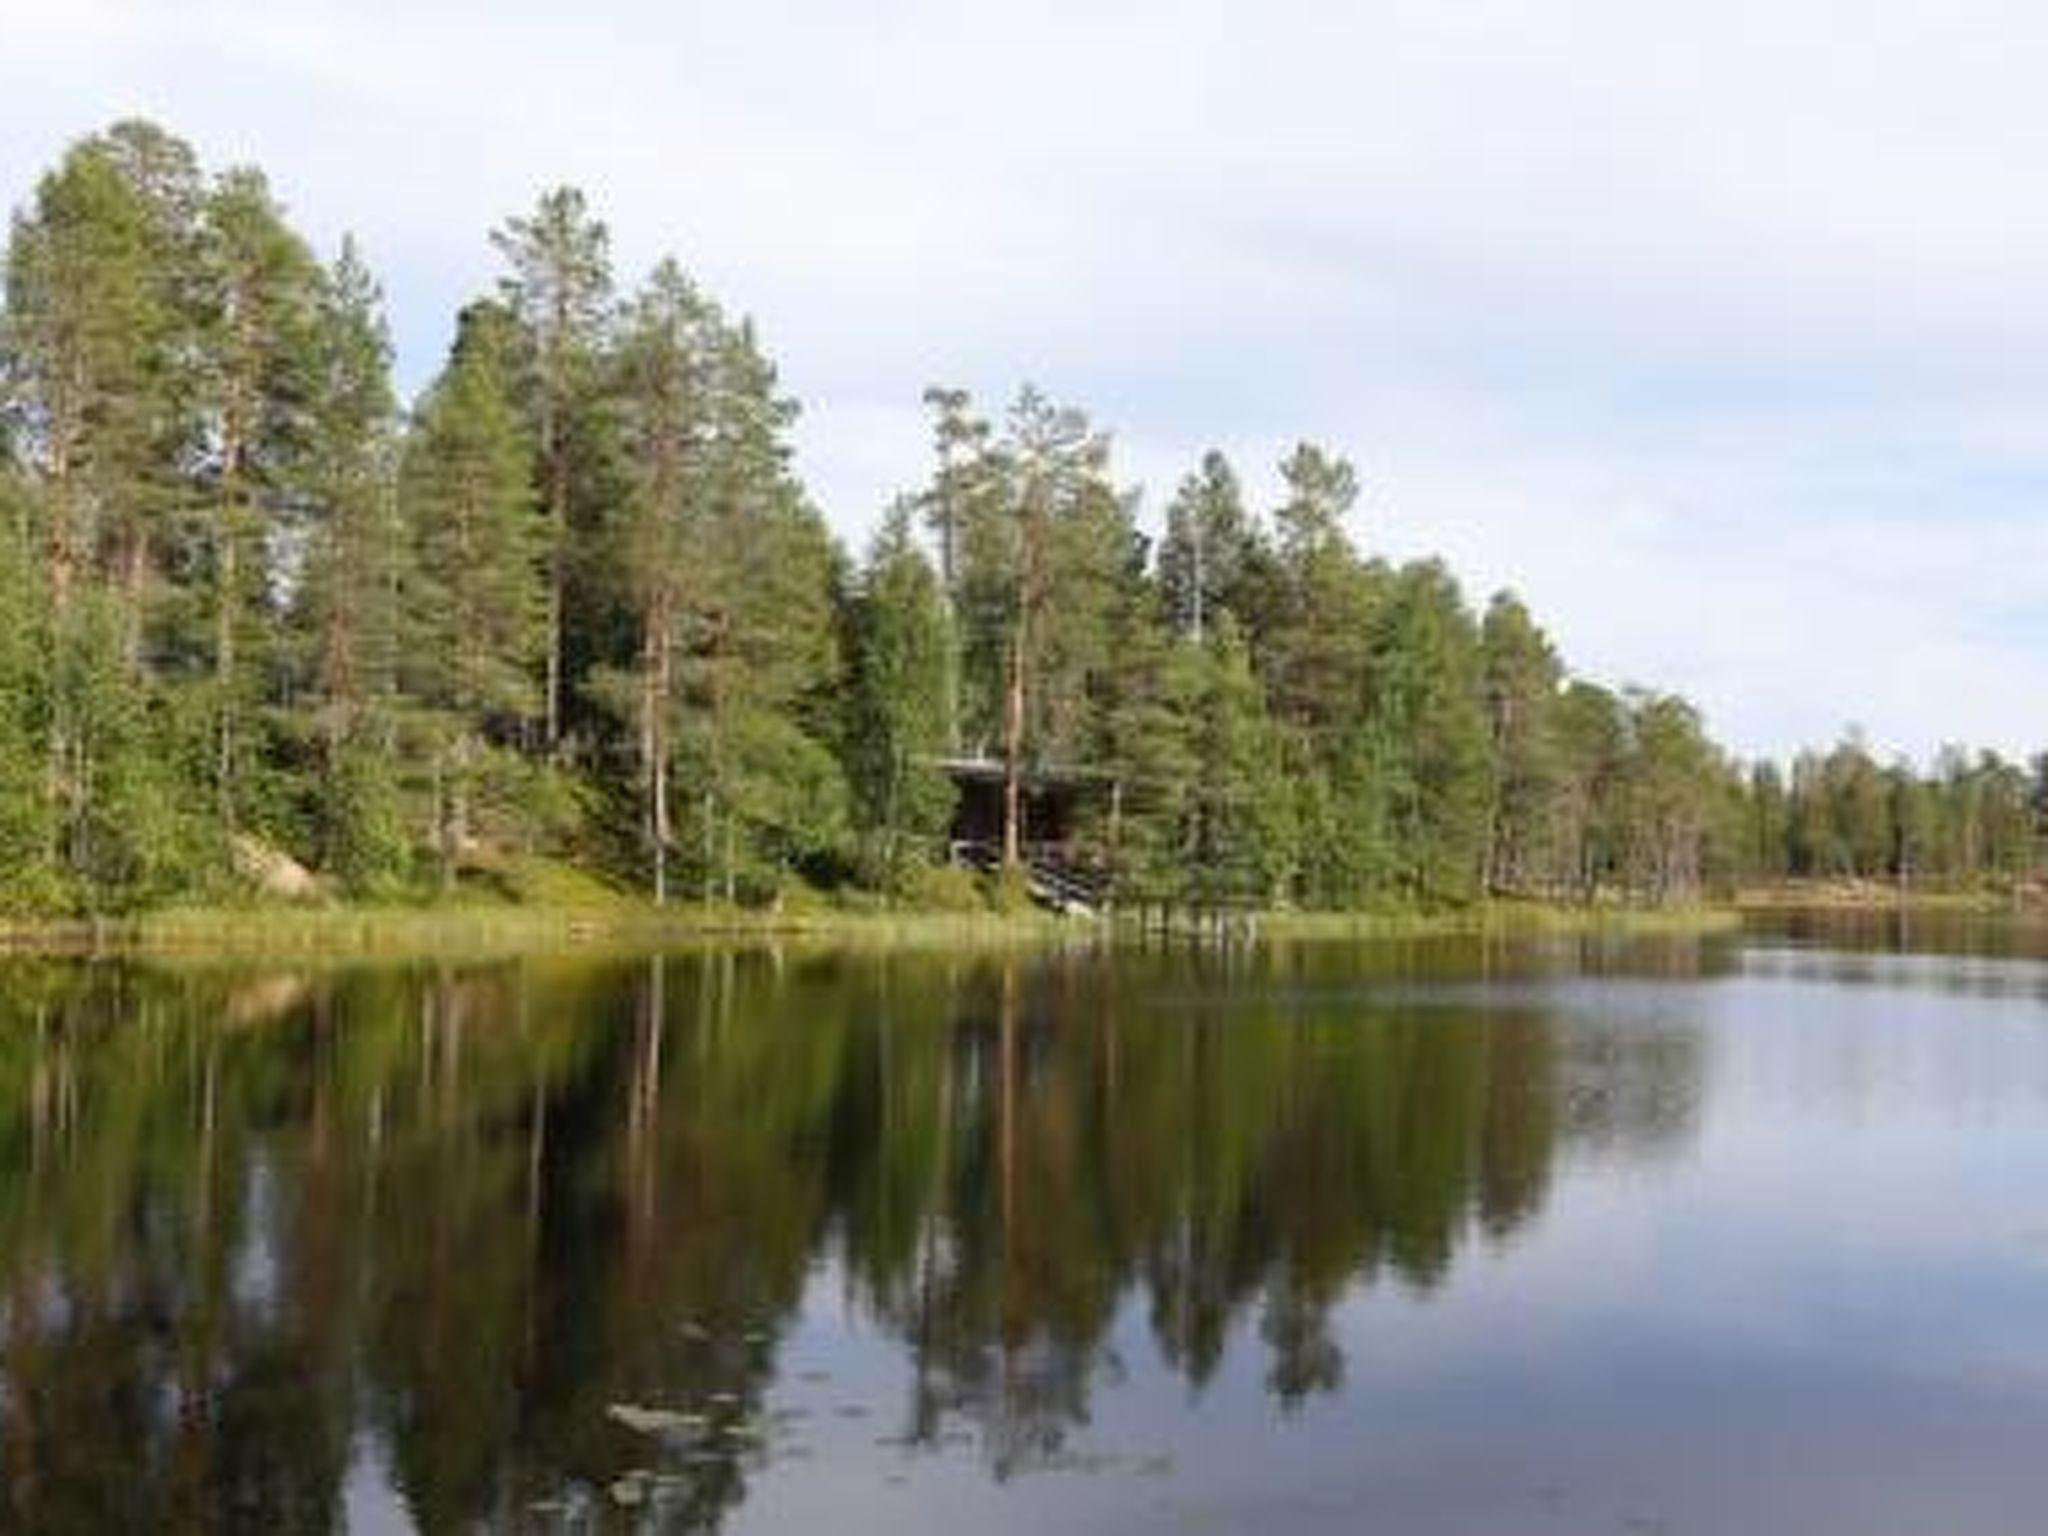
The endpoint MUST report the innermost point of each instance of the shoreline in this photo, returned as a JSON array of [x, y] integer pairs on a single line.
[[288, 932], [1884, 896]]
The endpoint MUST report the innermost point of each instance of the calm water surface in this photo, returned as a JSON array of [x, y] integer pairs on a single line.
[[1740, 1235]]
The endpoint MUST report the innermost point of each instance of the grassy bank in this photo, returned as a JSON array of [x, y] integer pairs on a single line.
[[1503, 919], [1886, 895], [270, 932], [279, 931]]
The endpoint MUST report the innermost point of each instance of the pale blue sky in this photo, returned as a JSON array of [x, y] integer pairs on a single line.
[[1720, 331]]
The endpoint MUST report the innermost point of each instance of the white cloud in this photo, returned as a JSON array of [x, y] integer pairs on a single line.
[[1717, 329]]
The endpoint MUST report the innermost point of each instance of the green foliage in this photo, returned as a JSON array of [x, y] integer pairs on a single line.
[[473, 605], [27, 834], [1426, 723], [942, 888], [1209, 555], [900, 655], [1237, 830], [559, 291], [576, 604], [346, 616], [1522, 682]]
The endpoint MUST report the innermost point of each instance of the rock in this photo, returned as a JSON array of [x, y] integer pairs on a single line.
[[271, 870]]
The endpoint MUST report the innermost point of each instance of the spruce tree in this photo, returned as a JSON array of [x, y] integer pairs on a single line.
[[476, 598], [668, 344], [730, 579], [901, 659], [347, 608], [1315, 657], [1238, 832], [1522, 679], [1205, 556], [1425, 717], [28, 877], [763, 665]]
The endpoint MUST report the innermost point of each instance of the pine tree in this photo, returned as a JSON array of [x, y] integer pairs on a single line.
[[1671, 775], [1425, 716], [1205, 557], [1523, 678], [476, 601], [28, 879], [901, 657], [963, 509], [763, 665], [89, 352], [667, 353], [731, 581], [263, 295], [1146, 702], [140, 528], [1238, 834], [968, 509], [1315, 656], [347, 608], [245, 599], [1593, 737], [1037, 529], [1768, 843], [560, 288]]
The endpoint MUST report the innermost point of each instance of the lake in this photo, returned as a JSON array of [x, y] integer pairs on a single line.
[[1736, 1234]]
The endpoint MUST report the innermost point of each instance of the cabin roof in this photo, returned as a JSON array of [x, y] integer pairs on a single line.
[[1038, 776]]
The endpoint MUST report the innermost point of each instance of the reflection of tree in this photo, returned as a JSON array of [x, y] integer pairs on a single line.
[[244, 1221]]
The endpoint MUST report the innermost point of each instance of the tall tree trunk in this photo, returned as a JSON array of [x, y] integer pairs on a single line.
[[558, 499], [134, 577], [60, 784], [226, 602], [710, 848], [656, 669], [224, 664], [1013, 755]]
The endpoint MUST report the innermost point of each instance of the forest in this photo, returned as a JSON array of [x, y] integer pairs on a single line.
[[572, 606]]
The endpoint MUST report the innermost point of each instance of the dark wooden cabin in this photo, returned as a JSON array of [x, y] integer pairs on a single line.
[[1061, 812]]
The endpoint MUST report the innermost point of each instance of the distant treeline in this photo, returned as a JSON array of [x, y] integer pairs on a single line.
[[575, 603]]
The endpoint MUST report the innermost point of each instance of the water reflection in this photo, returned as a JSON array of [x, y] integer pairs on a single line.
[[2018, 932], [536, 1234]]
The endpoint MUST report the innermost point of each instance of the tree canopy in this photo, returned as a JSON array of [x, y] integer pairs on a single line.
[[574, 600]]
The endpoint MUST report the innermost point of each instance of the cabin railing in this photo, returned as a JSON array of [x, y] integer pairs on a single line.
[[1051, 875]]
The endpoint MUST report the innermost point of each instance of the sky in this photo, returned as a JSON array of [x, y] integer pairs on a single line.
[[1717, 331]]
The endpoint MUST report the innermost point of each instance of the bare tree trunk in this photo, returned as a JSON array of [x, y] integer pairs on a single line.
[[134, 575], [710, 849], [226, 599], [62, 557], [558, 522], [224, 663], [1013, 753], [655, 669]]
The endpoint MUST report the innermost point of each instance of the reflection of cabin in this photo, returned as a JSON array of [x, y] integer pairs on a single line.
[[1059, 808]]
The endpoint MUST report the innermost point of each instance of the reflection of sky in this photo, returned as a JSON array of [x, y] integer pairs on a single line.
[[1823, 1315]]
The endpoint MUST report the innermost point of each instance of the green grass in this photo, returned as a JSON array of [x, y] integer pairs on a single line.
[[535, 905], [1500, 919], [1883, 895], [558, 917], [478, 929]]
